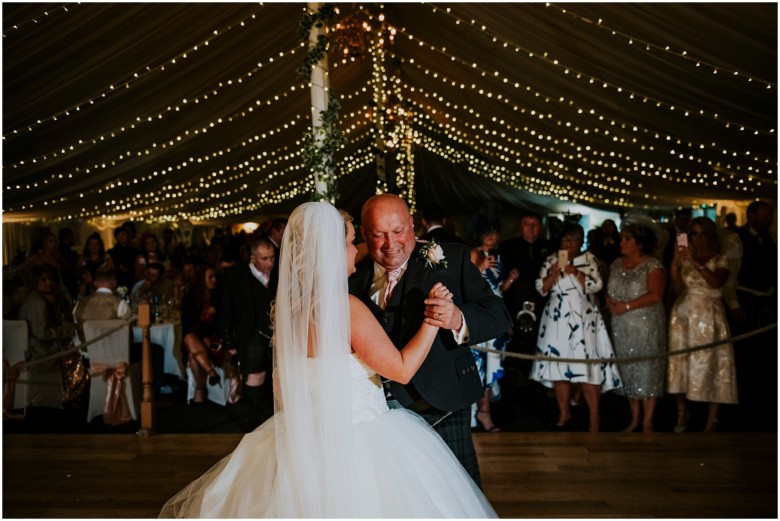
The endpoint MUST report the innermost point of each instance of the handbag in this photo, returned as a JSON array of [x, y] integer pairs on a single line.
[[75, 376]]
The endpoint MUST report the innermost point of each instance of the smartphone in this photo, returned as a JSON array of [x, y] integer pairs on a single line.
[[563, 258], [493, 252], [682, 240]]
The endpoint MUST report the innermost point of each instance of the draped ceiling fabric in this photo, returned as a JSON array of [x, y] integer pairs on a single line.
[[194, 111]]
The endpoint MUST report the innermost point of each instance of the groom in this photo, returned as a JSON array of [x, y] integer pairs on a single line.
[[394, 283]]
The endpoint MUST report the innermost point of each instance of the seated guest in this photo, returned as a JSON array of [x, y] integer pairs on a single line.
[[103, 304], [42, 309], [150, 253], [200, 330], [94, 257], [153, 285]]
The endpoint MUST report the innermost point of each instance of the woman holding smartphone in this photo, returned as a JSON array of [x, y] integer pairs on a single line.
[[698, 273], [572, 327], [490, 365]]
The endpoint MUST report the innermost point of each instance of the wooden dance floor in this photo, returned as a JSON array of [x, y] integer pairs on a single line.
[[525, 475]]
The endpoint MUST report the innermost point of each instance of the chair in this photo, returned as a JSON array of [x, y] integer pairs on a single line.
[[214, 393], [34, 388], [111, 351]]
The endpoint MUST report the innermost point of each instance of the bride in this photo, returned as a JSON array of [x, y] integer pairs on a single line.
[[333, 448]]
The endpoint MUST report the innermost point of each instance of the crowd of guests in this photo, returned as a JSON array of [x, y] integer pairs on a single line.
[[211, 290], [641, 291]]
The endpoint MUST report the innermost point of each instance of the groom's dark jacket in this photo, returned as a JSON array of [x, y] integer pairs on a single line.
[[448, 378]]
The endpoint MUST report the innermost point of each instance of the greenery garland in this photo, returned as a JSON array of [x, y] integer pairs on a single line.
[[321, 143]]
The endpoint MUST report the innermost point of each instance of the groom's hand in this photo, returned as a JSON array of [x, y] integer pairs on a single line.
[[440, 309]]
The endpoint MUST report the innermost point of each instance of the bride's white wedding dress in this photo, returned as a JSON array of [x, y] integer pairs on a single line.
[[403, 469]]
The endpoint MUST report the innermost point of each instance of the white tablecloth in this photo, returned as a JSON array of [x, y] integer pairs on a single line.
[[168, 335]]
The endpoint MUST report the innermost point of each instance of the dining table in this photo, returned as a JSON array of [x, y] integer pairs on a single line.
[[166, 333]]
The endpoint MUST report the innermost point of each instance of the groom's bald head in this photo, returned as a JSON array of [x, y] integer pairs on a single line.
[[388, 230]]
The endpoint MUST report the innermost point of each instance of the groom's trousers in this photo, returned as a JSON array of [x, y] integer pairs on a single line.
[[455, 430]]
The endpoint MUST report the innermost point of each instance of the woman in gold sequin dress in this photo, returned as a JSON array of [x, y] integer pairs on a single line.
[[698, 273]]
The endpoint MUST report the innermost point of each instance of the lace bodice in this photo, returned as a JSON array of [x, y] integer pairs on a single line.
[[368, 397]]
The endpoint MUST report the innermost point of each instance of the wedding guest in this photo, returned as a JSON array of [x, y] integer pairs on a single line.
[[245, 323], [756, 307], [123, 254], [104, 304], [199, 321], [698, 273], [171, 248], [610, 241], [69, 271], [150, 252], [490, 365], [334, 449], [393, 283], [572, 327], [93, 258], [635, 300], [154, 284], [521, 259], [45, 251], [43, 310], [434, 220]]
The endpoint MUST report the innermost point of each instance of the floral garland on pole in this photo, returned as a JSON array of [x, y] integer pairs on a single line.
[[320, 143]]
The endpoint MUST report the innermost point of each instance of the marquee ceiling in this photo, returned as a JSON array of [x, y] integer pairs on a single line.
[[195, 111]]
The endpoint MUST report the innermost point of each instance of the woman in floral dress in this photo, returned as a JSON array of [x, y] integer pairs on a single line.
[[572, 327]]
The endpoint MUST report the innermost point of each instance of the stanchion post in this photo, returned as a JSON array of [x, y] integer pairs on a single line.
[[148, 411]]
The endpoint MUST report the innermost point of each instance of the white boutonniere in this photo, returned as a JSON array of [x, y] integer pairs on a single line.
[[433, 256], [122, 291]]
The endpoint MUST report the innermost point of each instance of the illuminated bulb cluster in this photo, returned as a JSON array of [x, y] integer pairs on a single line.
[[128, 81], [632, 40], [11, 31], [159, 115], [580, 110], [595, 81]]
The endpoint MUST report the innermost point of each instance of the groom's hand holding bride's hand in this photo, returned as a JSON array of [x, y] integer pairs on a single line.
[[440, 311]]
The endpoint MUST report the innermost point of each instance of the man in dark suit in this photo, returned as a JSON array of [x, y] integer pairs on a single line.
[[246, 324], [434, 220], [521, 259], [447, 383]]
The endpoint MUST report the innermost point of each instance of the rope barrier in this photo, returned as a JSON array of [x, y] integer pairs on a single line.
[[629, 359], [79, 347]]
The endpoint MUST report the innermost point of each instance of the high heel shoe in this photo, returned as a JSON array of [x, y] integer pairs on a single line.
[[682, 423], [193, 403], [712, 426], [491, 429]]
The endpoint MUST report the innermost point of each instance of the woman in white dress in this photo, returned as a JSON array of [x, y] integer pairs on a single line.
[[334, 448], [572, 327]]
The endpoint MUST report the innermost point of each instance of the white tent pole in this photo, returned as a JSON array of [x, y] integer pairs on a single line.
[[319, 93]]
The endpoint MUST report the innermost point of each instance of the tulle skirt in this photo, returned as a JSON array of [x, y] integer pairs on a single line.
[[405, 470]]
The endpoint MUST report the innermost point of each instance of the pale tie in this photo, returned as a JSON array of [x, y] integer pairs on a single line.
[[392, 280]]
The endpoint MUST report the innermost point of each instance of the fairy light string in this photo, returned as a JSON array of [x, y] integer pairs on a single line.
[[574, 73], [767, 176], [128, 81], [144, 119], [36, 20], [632, 40]]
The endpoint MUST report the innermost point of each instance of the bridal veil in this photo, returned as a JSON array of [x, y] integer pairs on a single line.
[[311, 348]]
